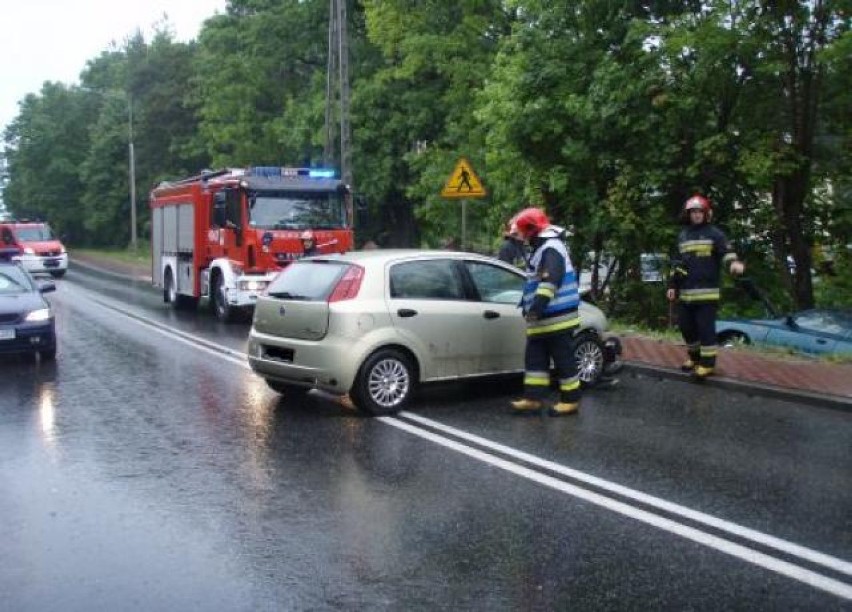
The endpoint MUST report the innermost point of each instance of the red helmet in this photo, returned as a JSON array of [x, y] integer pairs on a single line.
[[697, 202], [530, 222], [307, 235]]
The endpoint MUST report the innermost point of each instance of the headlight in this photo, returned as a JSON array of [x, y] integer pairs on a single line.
[[62, 250], [252, 285], [42, 314], [29, 251]]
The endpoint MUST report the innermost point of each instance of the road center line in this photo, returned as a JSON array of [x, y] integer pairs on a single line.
[[790, 548], [790, 570]]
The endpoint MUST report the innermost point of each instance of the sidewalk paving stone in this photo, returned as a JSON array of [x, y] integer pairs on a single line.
[[808, 375]]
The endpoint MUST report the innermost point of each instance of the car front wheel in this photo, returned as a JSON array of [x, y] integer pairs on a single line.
[[385, 383], [733, 339], [589, 352]]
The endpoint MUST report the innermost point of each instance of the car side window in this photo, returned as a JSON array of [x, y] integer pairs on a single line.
[[432, 279], [819, 321], [495, 284]]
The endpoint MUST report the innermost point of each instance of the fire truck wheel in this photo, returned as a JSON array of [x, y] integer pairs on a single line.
[[224, 311], [178, 301]]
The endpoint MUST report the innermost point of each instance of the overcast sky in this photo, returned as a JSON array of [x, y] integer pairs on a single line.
[[51, 40]]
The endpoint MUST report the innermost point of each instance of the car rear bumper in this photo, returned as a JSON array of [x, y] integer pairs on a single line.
[[304, 363], [28, 338]]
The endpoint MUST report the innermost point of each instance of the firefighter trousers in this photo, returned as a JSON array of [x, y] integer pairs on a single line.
[[540, 350], [697, 322]]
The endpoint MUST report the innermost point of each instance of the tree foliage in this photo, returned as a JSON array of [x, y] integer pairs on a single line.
[[607, 113]]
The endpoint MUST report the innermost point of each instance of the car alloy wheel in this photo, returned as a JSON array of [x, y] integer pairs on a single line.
[[589, 352], [385, 383], [734, 339]]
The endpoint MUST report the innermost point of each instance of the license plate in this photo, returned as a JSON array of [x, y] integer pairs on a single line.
[[7, 334], [51, 263]]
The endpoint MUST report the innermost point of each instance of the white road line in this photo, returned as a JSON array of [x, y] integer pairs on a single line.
[[814, 579], [824, 583], [802, 552]]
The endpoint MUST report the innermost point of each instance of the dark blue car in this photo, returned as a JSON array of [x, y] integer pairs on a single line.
[[26, 318], [816, 331]]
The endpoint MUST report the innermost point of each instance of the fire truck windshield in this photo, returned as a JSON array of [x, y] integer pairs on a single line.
[[297, 210], [34, 233]]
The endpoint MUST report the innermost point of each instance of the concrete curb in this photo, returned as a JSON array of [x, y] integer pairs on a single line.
[[834, 402]]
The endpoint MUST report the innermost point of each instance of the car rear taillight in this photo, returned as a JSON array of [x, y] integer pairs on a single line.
[[348, 286]]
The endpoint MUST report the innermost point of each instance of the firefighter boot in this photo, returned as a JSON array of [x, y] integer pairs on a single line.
[[702, 372], [687, 366], [563, 408], [526, 406]]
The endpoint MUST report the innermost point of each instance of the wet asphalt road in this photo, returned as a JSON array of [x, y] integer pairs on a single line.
[[149, 471]]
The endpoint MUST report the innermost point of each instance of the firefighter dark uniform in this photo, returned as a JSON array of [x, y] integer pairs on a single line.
[[309, 244], [512, 251], [550, 305], [702, 250]]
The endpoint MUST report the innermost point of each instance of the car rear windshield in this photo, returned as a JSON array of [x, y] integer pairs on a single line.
[[307, 280]]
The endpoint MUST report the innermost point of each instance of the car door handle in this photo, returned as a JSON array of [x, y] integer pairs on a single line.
[[821, 341], [490, 314], [406, 312]]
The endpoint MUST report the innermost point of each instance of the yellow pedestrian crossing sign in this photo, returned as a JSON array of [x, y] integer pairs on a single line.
[[463, 183]]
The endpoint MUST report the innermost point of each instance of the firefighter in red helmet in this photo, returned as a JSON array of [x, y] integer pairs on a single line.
[[309, 244], [694, 283], [513, 250], [550, 305]]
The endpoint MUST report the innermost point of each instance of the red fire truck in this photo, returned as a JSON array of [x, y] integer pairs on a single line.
[[224, 235]]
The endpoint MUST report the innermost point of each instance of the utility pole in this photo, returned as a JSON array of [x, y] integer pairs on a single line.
[[338, 92], [132, 158]]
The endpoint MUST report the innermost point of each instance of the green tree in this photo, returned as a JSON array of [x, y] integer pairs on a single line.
[[44, 155]]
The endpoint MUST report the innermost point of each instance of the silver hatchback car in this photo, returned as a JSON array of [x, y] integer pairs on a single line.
[[376, 324]]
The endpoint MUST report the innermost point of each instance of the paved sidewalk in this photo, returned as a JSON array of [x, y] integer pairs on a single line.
[[795, 378], [805, 378]]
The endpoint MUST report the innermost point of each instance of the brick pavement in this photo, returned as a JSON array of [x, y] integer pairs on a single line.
[[808, 375]]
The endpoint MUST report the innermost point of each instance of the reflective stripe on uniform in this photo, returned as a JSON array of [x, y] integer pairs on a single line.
[[697, 247], [699, 295], [553, 324], [569, 384], [536, 379], [548, 290]]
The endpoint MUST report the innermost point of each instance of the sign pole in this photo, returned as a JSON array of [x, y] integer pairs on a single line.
[[464, 224]]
